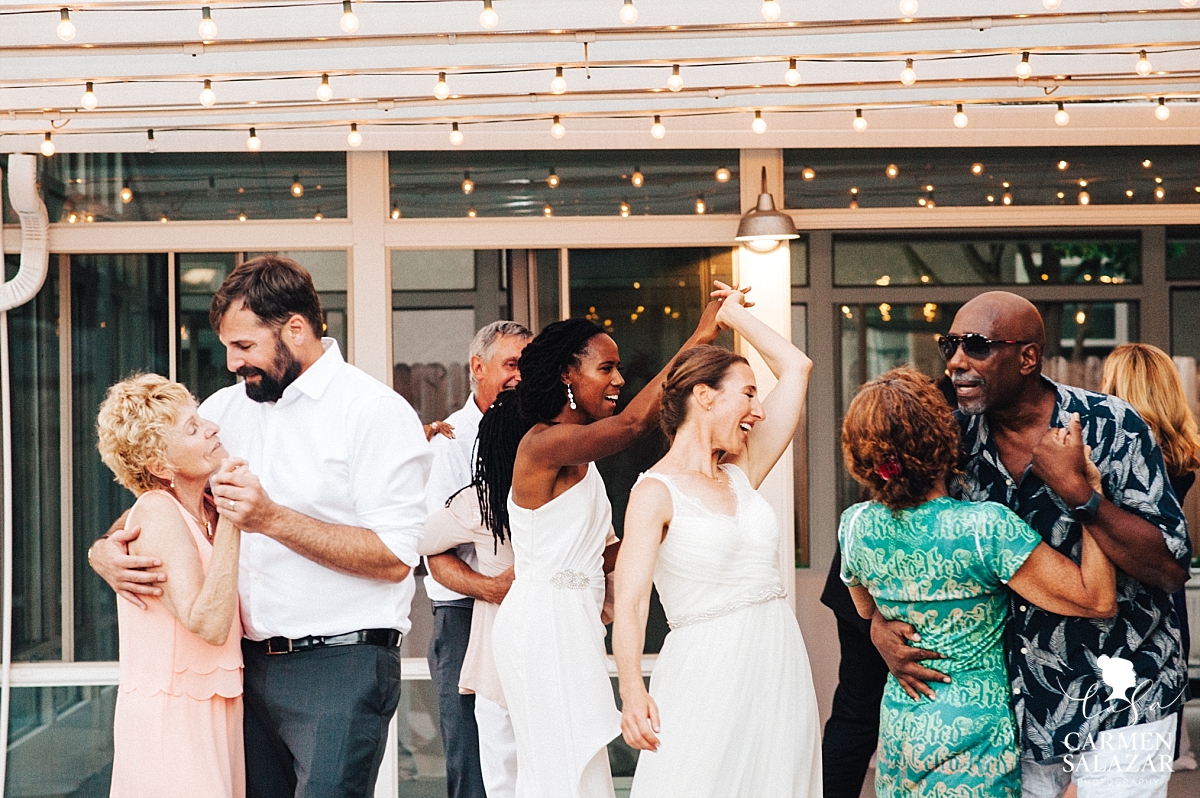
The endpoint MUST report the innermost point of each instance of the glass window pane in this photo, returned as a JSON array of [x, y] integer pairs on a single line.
[[60, 741], [91, 187], [119, 326], [983, 176], [200, 357], [1183, 253], [990, 260], [433, 270], [799, 259], [549, 306], [569, 183], [328, 268], [37, 519]]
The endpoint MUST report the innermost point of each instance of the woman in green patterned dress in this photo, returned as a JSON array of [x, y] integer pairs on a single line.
[[942, 566]]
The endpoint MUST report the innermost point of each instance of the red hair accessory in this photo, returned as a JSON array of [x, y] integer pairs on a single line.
[[889, 469]]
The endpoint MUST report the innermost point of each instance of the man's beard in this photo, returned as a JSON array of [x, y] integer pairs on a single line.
[[270, 387], [973, 407]]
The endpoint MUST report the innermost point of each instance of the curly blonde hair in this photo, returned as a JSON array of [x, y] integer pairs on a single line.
[[132, 428], [899, 425]]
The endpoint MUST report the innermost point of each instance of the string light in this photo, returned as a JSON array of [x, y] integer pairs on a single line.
[[208, 28], [1161, 112], [701, 207], [559, 84], [395, 211], [297, 188], [354, 138], [1024, 70], [658, 130], [456, 136], [47, 145], [723, 175], [759, 125], [1143, 64], [66, 28], [163, 218], [1159, 191], [349, 22], [908, 75], [792, 76], [324, 91], [242, 216], [675, 81], [441, 89], [1063, 166], [1061, 117], [253, 142], [318, 216], [557, 129], [547, 211], [892, 171], [809, 173], [468, 185], [976, 169], [1085, 198], [860, 122], [207, 96], [1051, 5], [488, 17], [629, 14], [637, 178], [624, 209], [771, 10], [471, 213], [553, 179], [151, 144], [960, 118], [89, 100], [1007, 199], [126, 195], [908, 8]]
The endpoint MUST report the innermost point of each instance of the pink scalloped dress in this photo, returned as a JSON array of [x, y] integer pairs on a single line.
[[178, 724]]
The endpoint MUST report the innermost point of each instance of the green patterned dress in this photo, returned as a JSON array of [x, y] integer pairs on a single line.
[[942, 567]]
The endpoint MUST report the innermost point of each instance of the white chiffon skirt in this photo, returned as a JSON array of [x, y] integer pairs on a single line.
[[737, 709]]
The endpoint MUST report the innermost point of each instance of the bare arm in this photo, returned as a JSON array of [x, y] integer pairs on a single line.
[[1056, 584], [203, 603], [128, 575], [863, 602], [646, 519], [449, 570], [784, 405]]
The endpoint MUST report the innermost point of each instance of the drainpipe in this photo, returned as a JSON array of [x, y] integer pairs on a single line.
[[35, 232]]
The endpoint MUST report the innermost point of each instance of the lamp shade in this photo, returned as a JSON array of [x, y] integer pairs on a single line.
[[764, 223]]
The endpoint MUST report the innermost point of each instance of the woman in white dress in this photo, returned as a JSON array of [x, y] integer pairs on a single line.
[[731, 708], [548, 640]]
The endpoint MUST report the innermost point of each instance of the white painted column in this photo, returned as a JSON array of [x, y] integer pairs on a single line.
[[370, 299]]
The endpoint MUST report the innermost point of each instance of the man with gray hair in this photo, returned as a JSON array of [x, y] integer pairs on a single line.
[[453, 582]]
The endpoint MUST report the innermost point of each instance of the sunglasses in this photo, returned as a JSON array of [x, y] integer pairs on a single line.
[[974, 345]]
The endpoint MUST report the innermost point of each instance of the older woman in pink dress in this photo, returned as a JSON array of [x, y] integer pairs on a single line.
[[178, 724]]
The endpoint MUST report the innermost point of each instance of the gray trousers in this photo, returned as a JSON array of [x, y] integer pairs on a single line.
[[316, 721], [456, 712]]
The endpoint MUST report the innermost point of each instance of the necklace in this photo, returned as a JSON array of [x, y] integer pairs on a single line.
[[206, 524]]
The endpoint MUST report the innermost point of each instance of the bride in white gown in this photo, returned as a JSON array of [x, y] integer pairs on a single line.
[[731, 709]]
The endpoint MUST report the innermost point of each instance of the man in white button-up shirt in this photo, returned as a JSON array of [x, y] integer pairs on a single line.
[[332, 509]]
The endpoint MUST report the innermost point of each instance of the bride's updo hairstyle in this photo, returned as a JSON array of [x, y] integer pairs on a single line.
[[559, 346], [900, 438], [701, 365]]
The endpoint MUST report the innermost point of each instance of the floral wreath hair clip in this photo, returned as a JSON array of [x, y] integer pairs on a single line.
[[889, 469]]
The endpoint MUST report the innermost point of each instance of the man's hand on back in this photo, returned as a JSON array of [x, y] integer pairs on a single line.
[[891, 639], [126, 573]]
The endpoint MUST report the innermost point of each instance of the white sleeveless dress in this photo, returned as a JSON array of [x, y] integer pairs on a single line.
[[734, 691], [548, 644]]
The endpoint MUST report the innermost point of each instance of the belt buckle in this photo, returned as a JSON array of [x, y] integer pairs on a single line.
[[271, 649]]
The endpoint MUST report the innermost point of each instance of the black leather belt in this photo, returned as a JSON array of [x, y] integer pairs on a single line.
[[388, 638]]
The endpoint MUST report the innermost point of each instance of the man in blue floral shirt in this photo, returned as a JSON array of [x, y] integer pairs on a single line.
[[1096, 700]]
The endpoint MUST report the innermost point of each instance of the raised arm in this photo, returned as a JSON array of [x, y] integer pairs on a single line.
[[784, 405], [646, 521], [203, 603]]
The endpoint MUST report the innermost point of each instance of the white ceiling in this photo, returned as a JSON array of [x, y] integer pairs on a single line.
[[148, 66]]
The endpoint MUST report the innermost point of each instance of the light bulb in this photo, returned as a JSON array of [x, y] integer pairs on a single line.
[[547, 211], [324, 91], [908, 8], [1061, 117], [960, 118], [771, 10], [1051, 5], [629, 14], [557, 129], [488, 17], [658, 130], [792, 76], [66, 28], [468, 185], [723, 175], [318, 216], [395, 211], [860, 122], [207, 96], [89, 100], [242, 216], [208, 28], [441, 89], [471, 213], [637, 178], [892, 171], [253, 143], [559, 84], [675, 82], [1159, 191], [701, 207], [553, 180], [1143, 64], [1161, 112], [759, 125], [1085, 198], [47, 146], [809, 173], [1007, 199], [126, 195], [624, 209], [349, 22], [297, 188], [1024, 70], [354, 138], [151, 144], [976, 168], [908, 75], [456, 136]]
